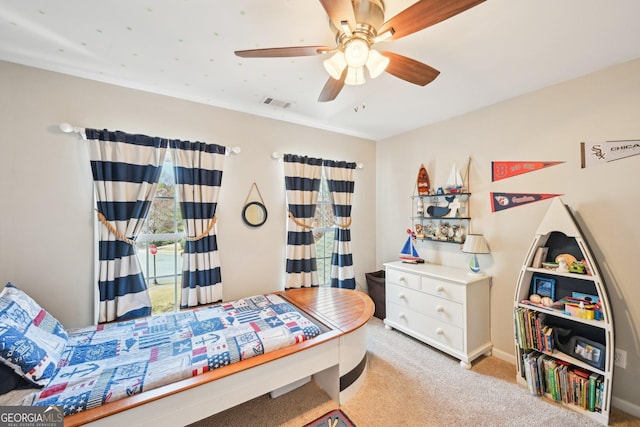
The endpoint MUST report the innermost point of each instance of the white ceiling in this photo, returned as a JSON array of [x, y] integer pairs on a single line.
[[184, 48]]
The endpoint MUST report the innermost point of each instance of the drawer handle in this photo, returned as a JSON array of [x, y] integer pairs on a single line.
[[440, 331], [402, 279], [440, 288], [402, 316], [439, 308], [402, 296]]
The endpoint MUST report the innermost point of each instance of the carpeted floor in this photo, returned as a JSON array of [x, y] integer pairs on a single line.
[[411, 384]]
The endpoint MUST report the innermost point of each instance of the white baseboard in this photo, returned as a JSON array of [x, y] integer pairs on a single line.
[[503, 355], [625, 406]]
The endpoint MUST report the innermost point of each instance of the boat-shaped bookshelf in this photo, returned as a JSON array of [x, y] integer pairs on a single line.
[[564, 332]]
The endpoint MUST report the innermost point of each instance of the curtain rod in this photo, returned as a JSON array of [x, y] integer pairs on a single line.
[[275, 156], [67, 128]]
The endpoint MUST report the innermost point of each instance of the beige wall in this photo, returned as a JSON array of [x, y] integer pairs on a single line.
[[545, 125], [47, 221]]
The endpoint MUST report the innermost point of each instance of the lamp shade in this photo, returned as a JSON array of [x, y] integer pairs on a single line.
[[335, 65], [355, 76], [475, 244], [376, 63], [356, 52]]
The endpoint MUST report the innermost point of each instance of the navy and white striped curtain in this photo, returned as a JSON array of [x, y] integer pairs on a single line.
[[341, 184], [198, 170], [302, 183], [126, 169]]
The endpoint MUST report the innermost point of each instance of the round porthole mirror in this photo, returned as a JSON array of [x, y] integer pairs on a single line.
[[254, 214]]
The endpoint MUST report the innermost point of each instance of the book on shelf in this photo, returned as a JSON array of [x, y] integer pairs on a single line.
[[526, 368], [539, 257], [563, 382], [532, 332], [593, 384], [520, 327], [599, 393], [549, 340], [552, 386]]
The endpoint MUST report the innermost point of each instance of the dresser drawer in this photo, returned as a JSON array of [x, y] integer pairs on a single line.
[[406, 318], [440, 332], [445, 334], [405, 297], [443, 309], [429, 305], [444, 289], [403, 278]]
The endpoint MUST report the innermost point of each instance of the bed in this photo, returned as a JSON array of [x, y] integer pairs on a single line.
[[304, 333]]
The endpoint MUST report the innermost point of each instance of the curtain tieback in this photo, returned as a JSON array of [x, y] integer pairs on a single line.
[[346, 225], [300, 223], [205, 232], [112, 229]]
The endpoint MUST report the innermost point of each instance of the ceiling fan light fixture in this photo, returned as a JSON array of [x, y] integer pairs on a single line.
[[356, 52], [377, 63], [357, 26], [355, 76], [335, 65]]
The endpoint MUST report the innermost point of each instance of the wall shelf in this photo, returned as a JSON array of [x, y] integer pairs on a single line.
[[441, 217]]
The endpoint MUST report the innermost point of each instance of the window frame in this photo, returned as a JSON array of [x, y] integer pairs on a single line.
[[147, 238], [324, 203]]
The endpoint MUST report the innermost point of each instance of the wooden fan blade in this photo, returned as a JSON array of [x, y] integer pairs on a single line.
[[279, 52], [332, 88], [409, 69], [338, 11], [423, 14]]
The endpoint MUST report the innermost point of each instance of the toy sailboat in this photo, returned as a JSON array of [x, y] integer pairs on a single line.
[[454, 183], [409, 252]]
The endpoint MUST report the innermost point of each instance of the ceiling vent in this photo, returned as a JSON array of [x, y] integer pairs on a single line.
[[278, 103]]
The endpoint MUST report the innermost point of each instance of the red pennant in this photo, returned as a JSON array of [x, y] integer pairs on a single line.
[[504, 170], [502, 201]]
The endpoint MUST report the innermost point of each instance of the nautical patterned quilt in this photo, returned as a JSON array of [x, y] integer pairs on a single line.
[[111, 361]]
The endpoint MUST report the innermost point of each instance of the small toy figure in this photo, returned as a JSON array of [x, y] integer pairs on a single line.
[[419, 208], [562, 266]]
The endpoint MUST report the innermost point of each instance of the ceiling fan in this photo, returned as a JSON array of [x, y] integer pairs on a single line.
[[359, 24]]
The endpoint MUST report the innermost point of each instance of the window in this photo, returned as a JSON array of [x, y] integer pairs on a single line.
[[164, 232], [324, 233]]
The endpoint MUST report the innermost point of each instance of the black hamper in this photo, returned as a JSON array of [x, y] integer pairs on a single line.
[[376, 285]]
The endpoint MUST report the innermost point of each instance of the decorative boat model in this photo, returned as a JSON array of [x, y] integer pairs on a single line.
[[423, 183], [454, 182], [409, 252]]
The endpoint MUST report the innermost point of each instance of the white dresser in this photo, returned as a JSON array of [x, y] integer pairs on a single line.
[[442, 306]]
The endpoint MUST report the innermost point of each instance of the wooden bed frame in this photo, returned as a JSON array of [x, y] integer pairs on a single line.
[[336, 359]]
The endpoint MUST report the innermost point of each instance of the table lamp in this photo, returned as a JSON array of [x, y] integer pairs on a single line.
[[475, 244]]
